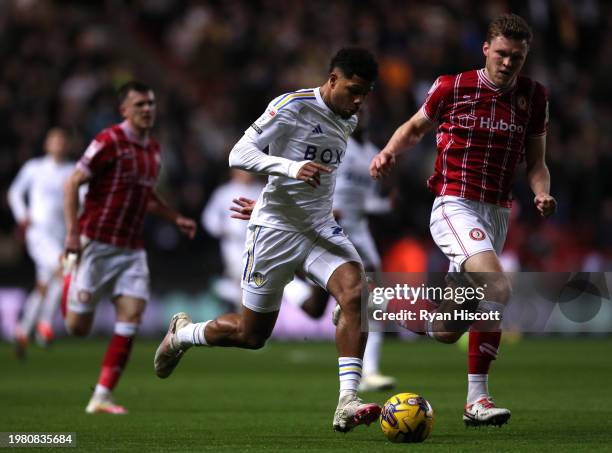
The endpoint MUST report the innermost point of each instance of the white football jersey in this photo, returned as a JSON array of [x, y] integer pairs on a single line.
[[217, 220], [355, 186], [299, 126], [41, 180]]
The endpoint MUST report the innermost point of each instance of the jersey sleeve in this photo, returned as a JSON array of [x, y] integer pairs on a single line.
[[18, 190], [436, 98], [538, 121], [99, 154], [247, 154], [271, 125]]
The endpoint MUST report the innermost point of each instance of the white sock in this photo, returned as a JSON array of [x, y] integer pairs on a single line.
[[478, 387], [101, 391], [349, 372], [51, 302], [31, 310], [371, 355], [192, 334]]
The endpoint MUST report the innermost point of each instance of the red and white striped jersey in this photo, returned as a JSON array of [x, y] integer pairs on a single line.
[[481, 133], [123, 173]]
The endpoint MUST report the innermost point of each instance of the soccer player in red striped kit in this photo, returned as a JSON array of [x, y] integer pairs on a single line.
[[121, 166], [488, 121]]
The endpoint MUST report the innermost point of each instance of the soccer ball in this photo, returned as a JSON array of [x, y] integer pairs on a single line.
[[406, 417]]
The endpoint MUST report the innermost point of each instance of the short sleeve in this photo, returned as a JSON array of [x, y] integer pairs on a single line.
[[538, 121], [98, 155], [271, 125], [436, 98]]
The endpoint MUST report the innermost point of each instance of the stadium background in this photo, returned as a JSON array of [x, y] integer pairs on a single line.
[[216, 64]]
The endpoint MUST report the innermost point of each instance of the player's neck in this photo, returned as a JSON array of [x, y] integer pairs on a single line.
[[490, 79], [136, 132], [325, 95]]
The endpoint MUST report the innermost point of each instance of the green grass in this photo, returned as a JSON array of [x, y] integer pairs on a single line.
[[282, 398]]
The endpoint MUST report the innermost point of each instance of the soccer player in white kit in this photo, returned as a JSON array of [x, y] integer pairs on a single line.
[[488, 120], [292, 228], [231, 233], [41, 182]]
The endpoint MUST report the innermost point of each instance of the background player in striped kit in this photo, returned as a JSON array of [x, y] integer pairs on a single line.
[[41, 181], [121, 166], [489, 120], [292, 227]]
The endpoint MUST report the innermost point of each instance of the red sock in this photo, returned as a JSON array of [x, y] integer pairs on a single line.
[[482, 351], [416, 325], [114, 361]]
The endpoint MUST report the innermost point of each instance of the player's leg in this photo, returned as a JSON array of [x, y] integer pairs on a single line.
[[485, 337], [249, 329], [460, 229], [25, 326], [334, 263], [372, 379], [269, 264], [44, 327], [129, 312]]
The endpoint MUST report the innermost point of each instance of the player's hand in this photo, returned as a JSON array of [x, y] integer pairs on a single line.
[[72, 244], [186, 226], [382, 164], [243, 209], [310, 173], [545, 204]]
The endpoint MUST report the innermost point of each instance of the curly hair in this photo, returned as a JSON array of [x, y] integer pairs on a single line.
[[355, 61]]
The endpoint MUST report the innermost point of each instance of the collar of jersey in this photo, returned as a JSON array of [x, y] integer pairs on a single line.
[[489, 83], [131, 135]]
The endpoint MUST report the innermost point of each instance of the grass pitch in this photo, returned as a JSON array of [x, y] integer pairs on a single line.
[[282, 398]]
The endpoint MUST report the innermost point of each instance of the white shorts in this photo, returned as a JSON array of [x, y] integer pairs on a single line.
[[273, 256], [45, 250], [358, 232], [462, 228], [107, 271]]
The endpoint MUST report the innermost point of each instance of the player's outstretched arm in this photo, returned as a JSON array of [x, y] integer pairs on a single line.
[[158, 207], [538, 175], [406, 136], [71, 209]]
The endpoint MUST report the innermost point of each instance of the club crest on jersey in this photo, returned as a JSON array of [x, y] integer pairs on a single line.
[[259, 279], [84, 297], [522, 102], [477, 234], [468, 121]]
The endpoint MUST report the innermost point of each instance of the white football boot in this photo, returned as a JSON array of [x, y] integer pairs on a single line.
[[169, 352], [104, 405], [354, 412], [484, 413]]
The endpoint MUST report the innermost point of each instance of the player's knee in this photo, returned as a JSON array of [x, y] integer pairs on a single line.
[[76, 328], [447, 337], [254, 342], [349, 298], [500, 290]]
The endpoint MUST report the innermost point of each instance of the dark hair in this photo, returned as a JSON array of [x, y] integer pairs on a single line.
[[355, 61], [510, 26], [132, 85]]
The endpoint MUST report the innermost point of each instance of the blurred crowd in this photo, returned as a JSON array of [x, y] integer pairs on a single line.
[[216, 64]]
